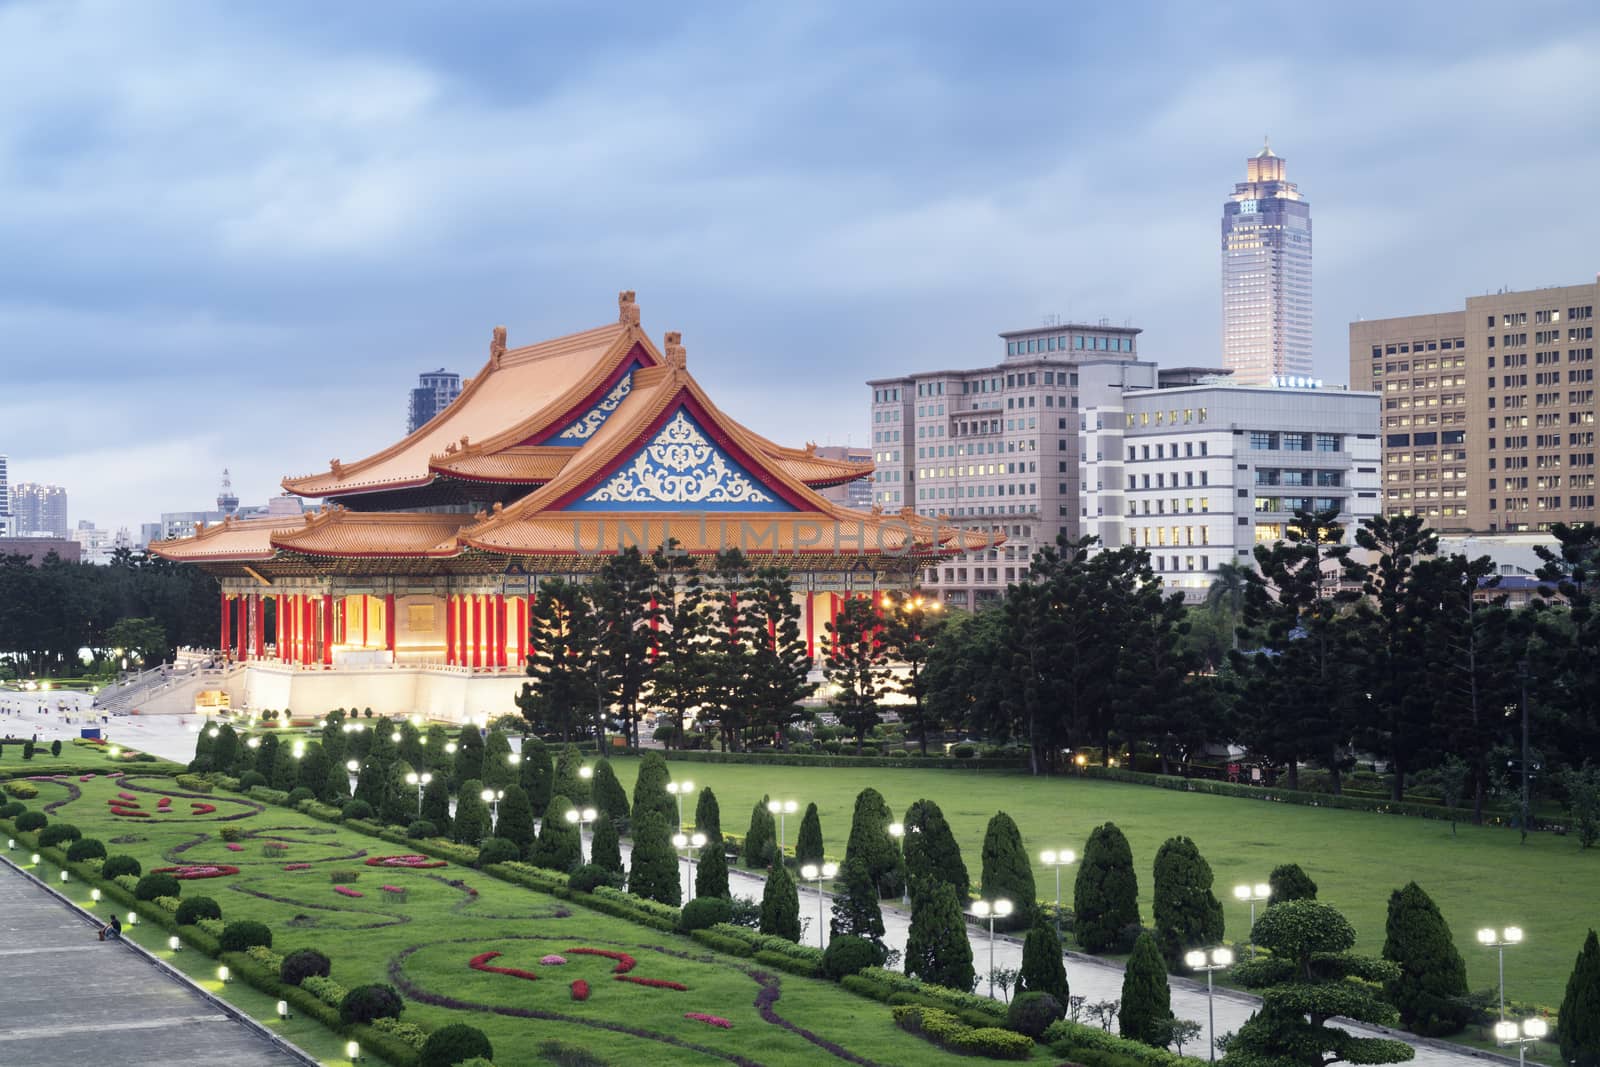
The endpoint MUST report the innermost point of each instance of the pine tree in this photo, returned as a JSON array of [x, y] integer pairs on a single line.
[[780, 905], [937, 949], [1105, 897], [681, 644], [1007, 873], [569, 781], [1043, 970], [434, 745], [412, 750], [285, 769], [469, 756], [472, 814], [761, 840], [855, 905], [1289, 882], [779, 660], [498, 770], [381, 744], [399, 797], [1146, 1009], [653, 873], [436, 804], [609, 796], [559, 846], [1433, 977], [626, 622], [537, 774], [707, 815], [1579, 1022], [559, 696], [856, 663], [335, 784], [604, 848], [728, 649], [204, 743], [334, 741], [372, 784], [650, 789], [516, 818], [1187, 914], [263, 757], [808, 843], [931, 851], [226, 751], [313, 771], [711, 873], [871, 843]]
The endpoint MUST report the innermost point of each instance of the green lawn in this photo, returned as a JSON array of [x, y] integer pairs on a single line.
[[424, 945], [1481, 877], [92, 757]]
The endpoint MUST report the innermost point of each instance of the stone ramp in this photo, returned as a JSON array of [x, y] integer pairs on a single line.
[[69, 999]]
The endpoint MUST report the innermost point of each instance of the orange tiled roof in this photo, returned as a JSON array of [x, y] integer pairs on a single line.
[[233, 539], [526, 465], [338, 532]]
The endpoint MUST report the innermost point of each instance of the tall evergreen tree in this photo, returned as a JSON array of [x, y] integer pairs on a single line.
[[871, 842], [1154, 669], [780, 905], [1105, 897], [625, 615], [1578, 1027], [400, 806], [711, 873], [469, 756], [808, 842], [380, 740], [855, 905], [605, 850], [559, 696], [536, 774], [559, 846], [472, 814], [937, 948], [264, 756], [498, 770], [435, 747], [857, 664], [911, 625], [569, 779], [372, 784], [1431, 989], [1145, 1013], [1567, 669], [679, 680], [707, 815], [779, 660], [203, 745], [609, 796], [931, 852], [285, 769], [412, 750], [726, 658], [650, 789], [313, 770], [1007, 872], [1043, 970], [335, 784], [653, 871], [436, 804], [761, 840], [1187, 914], [516, 818], [1288, 882]]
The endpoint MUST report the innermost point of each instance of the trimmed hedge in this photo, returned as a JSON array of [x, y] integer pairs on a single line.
[[120, 865], [56, 834], [1280, 796], [453, 1044], [304, 963], [949, 1032], [86, 848], [29, 821], [155, 885], [1069, 1040], [192, 909], [194, 783], [884, 985], [245, 933], [791, 759]]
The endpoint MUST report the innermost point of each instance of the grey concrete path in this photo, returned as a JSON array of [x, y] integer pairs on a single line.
[[68, 999]]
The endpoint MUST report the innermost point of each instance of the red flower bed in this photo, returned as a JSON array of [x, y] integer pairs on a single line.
[[346, 891], [653, 983], [625, 962], [480, 962], [297, 866], [164, 802], [85, 777], [192, 871], [709, 1020], [197, 808], [234, 846], [130, 814], [128, 796], [411, 862], [580, 990]]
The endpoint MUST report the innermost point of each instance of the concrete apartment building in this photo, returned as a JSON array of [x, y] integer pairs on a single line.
[[1489, 412], [38, 510], [434, 392], [994, 446], [1266, 275], [856, 494], [5, 498]]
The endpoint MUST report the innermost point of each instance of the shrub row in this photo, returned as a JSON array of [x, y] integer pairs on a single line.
[[891, 987], [791, 759], [1094, 1046], [1281, 796], [949, 1032], [195, 783]]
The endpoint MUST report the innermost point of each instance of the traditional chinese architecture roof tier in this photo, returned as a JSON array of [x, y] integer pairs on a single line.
[[232, 540]]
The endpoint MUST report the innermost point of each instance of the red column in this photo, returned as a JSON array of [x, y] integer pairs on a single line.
[[449, 629], [521, 624], [327, 629], [811, 625], [308, 636], [655, 627], [388, 622], [527, 630], [500, 630], [225, 640], [258, 608], [241, 608], [474, 606]]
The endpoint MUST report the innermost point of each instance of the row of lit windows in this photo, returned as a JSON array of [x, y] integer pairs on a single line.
[[1059, 343]]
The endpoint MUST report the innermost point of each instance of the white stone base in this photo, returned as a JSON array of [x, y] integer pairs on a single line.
[[452, 694]]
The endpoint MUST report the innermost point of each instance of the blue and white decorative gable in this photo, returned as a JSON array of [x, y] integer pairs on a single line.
[[585, 426], [681, 469]]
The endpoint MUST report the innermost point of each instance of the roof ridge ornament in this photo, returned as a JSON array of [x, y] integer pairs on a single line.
[[627, 308], [676, 355], [811, 448], [336, 467], [497, 346]]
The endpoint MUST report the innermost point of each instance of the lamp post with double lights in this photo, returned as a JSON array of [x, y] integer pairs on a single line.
[[420, 781], [1218, 959], [687, 843], [1530, 1032], [1253, 895], [353, 769], [1499, 939], [991, 910], [679, 790], [580, 819], [897, 830], [812, 872], [493, 797], [1058, 858], [782, 809]]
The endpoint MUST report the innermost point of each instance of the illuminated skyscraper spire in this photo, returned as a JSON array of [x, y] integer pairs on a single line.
[[1266, 273]]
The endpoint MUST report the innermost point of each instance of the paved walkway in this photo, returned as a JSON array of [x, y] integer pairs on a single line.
[[69, 999]]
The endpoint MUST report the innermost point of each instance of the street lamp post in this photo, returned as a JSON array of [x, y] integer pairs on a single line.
[[811, 872], [1217, 959], [353, 768], [1058, 859], [581, 819], [687, 842], [1252, 894], [1499, 939], [782, 809], [1530, 1032], [991, 910], [898, 832], [420, 781], [679, 790], [493, 797]]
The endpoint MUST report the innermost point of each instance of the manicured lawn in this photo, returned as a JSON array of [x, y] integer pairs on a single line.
[[95, 756], [1481, 877], [452, 914]]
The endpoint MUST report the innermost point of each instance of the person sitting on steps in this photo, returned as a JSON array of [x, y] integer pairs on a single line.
[[112, 930]]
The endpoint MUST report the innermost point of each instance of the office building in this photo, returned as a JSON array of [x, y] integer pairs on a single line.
[[856, 493], [1488, 412], [993, 447], [94, 544], [434, 392], [1266, 275], [5, 498], [38, 510]]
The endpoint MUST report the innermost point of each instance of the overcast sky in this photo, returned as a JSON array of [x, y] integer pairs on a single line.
[[232, 234]]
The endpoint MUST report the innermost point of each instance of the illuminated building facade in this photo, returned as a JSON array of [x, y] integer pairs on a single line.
[[1266, 275]]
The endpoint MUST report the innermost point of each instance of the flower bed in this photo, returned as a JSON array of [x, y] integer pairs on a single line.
[[234, 846], [129, 813], [199, 808], [480, 962], [164, 802], [395, 893], [625, 962], [553, 960], [127, 796], [653, 983], [297, 866], [580, 990], [85, 777], [709, 1020], [346, 891], [191, 871], [411, 861]]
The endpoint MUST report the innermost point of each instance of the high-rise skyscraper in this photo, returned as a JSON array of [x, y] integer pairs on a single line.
[[434, 392], [5, 500], [38, 510], [1266, 275]]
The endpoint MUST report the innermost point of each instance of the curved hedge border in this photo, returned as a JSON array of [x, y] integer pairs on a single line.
[[790, 759]]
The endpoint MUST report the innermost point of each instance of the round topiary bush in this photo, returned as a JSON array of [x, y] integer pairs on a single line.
[[454, 1044], [243, 934], [1032, 1013], [422, 828], [365, 1003], [193, 909], [497, 850], [116, 866], [299, 793], [58, 834], [155, 885], [848, 954], [589, 877], [12, 808], [86, 848], [705, 912], [31, 820], [357, 809], [304, 963], [250, 779]]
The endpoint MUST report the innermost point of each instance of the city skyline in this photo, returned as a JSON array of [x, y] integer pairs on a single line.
[[320, 206]]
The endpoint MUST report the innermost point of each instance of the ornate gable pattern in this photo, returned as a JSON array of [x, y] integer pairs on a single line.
[[584, 427]]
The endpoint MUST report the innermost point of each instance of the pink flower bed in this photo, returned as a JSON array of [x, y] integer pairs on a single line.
[[709, 1020], [234, 846], [580, 990], [344, 890], [480, 962], [625, 962], [191, 871], [86, 778], [410, 862], [297, 866], [391, 889], [553, 960], [128, 796]]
